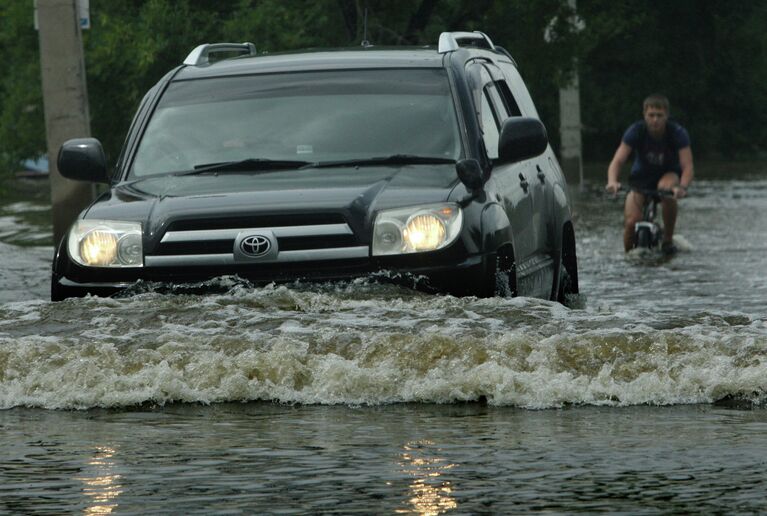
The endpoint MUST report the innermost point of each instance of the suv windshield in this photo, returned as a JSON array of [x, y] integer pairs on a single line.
[[310, 117]]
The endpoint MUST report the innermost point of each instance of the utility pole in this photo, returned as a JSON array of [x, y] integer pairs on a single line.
[[571, 148], [66, 103]]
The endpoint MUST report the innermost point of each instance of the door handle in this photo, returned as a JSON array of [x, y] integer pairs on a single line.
[[523, 182], [541, 174]]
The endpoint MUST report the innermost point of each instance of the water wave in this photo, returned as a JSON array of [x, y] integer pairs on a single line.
[[365, 344]]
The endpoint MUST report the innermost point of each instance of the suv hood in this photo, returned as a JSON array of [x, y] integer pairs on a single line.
[[358, 192]]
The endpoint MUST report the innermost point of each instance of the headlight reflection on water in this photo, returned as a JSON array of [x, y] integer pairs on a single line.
[[103, 486], [429, 493]]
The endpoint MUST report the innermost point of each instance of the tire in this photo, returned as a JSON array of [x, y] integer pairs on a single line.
[[500, 275], [565, 287], [643, 238]]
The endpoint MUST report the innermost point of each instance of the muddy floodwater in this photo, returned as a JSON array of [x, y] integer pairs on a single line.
[[649, 396]]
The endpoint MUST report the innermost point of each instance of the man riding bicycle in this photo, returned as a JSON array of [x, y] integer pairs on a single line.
[[663, 161]]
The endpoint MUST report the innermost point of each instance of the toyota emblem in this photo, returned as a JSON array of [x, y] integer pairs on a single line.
[[256, 245]]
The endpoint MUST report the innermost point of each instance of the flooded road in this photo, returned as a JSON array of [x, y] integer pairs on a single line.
[[359, 397]]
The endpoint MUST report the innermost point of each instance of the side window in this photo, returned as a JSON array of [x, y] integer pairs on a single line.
[[490, 106], [501, 108], [504, 99], [517, 85], [508, 99], [489, 122]]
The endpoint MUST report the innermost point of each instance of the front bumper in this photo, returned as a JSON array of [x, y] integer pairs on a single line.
[[458, 277]]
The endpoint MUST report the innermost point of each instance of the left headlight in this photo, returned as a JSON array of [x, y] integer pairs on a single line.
[[416, 229], [106, 243]]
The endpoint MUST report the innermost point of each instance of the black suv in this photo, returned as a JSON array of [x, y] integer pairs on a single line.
[[425, 165]]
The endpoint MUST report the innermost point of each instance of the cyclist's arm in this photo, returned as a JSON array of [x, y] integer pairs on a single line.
[[613, 171], [685, 161]]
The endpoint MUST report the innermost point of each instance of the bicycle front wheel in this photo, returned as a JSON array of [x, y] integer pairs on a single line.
[[643, 238]]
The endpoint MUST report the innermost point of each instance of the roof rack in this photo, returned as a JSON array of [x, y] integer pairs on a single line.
[[451, 41], [505, 52], [199, 56]]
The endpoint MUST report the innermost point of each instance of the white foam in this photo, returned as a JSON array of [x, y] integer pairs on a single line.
[[368, 345], [682, 244], [354, 366]]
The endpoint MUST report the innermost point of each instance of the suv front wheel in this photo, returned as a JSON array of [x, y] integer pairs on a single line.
[[500, 279]]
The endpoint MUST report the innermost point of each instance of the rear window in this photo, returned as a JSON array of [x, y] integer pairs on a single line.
[[307, 116]]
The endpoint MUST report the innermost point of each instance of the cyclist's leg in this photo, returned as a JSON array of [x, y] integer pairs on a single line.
[[668, 181]]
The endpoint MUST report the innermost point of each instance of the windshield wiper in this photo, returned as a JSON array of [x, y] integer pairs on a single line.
[[395, 159], [245, 165]]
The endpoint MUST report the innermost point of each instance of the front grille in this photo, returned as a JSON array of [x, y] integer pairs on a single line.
[[196, 247], [316, 242], [257, 221], [295, 238]]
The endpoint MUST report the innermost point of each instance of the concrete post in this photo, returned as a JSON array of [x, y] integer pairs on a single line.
[[66, 103], [570, 131], [570, 117]]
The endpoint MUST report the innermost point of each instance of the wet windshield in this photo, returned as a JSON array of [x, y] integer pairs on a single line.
[[310, 117]]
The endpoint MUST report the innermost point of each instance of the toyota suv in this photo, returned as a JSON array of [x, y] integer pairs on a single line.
[[424, 165]]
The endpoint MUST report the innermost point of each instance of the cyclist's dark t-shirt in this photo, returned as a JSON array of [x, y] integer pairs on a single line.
[[653, 158]]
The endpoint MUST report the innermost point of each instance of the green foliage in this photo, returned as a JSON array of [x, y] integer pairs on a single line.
[[22, 124], [707, 56]]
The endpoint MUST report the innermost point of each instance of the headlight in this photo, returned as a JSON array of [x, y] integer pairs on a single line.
[[416, 229], [106, 243]]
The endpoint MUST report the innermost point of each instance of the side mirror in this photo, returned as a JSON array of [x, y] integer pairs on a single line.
[[521, 138], [470, 173], [82, 159]]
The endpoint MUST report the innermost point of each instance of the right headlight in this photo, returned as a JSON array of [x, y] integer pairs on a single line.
[[106, 243], [416, 229]]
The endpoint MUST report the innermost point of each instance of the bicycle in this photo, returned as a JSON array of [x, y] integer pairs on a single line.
[[648, 234]]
